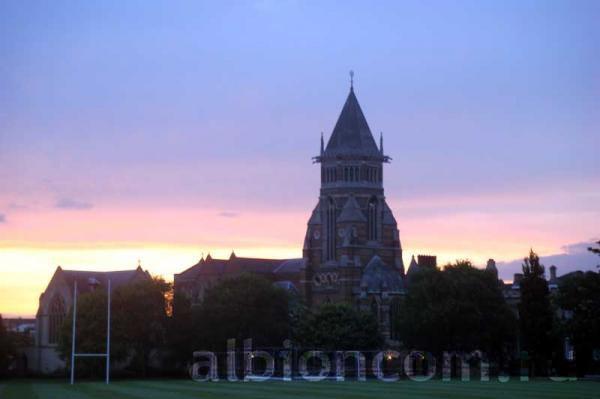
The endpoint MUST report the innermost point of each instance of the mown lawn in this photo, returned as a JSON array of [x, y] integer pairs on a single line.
[[172, 389]]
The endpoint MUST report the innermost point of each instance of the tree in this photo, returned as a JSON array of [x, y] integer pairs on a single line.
[[242, 307], [7, 349], [579, 298], [595, 250], [535, 314], [138, 324], [338, 327], [141, 319], [181, 335], [457, 309], [91, 333]]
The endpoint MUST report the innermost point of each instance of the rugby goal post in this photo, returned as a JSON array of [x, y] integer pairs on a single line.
[[75, 355]]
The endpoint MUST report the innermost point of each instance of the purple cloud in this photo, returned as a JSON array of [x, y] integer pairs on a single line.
[[576, 257], [227, 214], [71, 204]]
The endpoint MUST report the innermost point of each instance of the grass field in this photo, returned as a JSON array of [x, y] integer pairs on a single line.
[[172, 389]]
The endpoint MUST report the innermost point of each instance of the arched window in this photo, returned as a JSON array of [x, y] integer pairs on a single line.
[[372, 219], [330, 254], [57, 315]]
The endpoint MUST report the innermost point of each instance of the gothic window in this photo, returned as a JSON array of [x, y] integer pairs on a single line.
[[351, 174], [330, 254], [57, 315], [372, 219]]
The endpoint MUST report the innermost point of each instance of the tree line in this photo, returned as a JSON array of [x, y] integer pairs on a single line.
[[457, 308]]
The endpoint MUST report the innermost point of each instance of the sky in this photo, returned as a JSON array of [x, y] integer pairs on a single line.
[[158, 132]]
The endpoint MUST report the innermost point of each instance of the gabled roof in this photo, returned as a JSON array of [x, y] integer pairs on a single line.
[[351, 212], [413, 267], [351, 134], [378, 277]]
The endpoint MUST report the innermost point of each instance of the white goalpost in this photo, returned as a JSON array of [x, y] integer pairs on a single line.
[[75, 355]]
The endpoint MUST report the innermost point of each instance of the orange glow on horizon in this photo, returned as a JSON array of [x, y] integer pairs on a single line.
[[168, 240]]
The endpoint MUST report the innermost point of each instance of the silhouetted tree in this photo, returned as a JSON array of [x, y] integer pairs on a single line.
[[595, 250], [535, 314], [181, 335], [579, 295], [242, 307], [141, 319], [337, 327], [459, 308]]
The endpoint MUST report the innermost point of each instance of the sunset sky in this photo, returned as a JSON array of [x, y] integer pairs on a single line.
[[164, 131]]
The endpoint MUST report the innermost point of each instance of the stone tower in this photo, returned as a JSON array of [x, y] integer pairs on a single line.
[[351, 225]]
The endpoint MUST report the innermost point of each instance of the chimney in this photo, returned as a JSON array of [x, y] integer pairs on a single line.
[[427, 261]]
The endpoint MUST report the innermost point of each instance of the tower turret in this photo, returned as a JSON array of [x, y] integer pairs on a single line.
[[355, 223]]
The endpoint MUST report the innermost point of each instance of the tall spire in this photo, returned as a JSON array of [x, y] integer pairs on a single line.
[[351, 135], [381, 142], [351, 80]]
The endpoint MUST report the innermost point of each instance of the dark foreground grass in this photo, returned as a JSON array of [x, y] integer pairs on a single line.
[[175, 389]]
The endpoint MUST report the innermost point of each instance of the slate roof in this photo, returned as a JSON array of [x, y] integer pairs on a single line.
[[351, 135], [378, 277], [290, 266], [85, 278], [238, 265], [413, 267]]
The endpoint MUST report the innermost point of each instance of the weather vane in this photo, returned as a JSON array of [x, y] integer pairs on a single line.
[[351, 79]]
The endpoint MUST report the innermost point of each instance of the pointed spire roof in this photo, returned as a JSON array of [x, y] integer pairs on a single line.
[[351, 134], [388, 216], [413, 267]]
